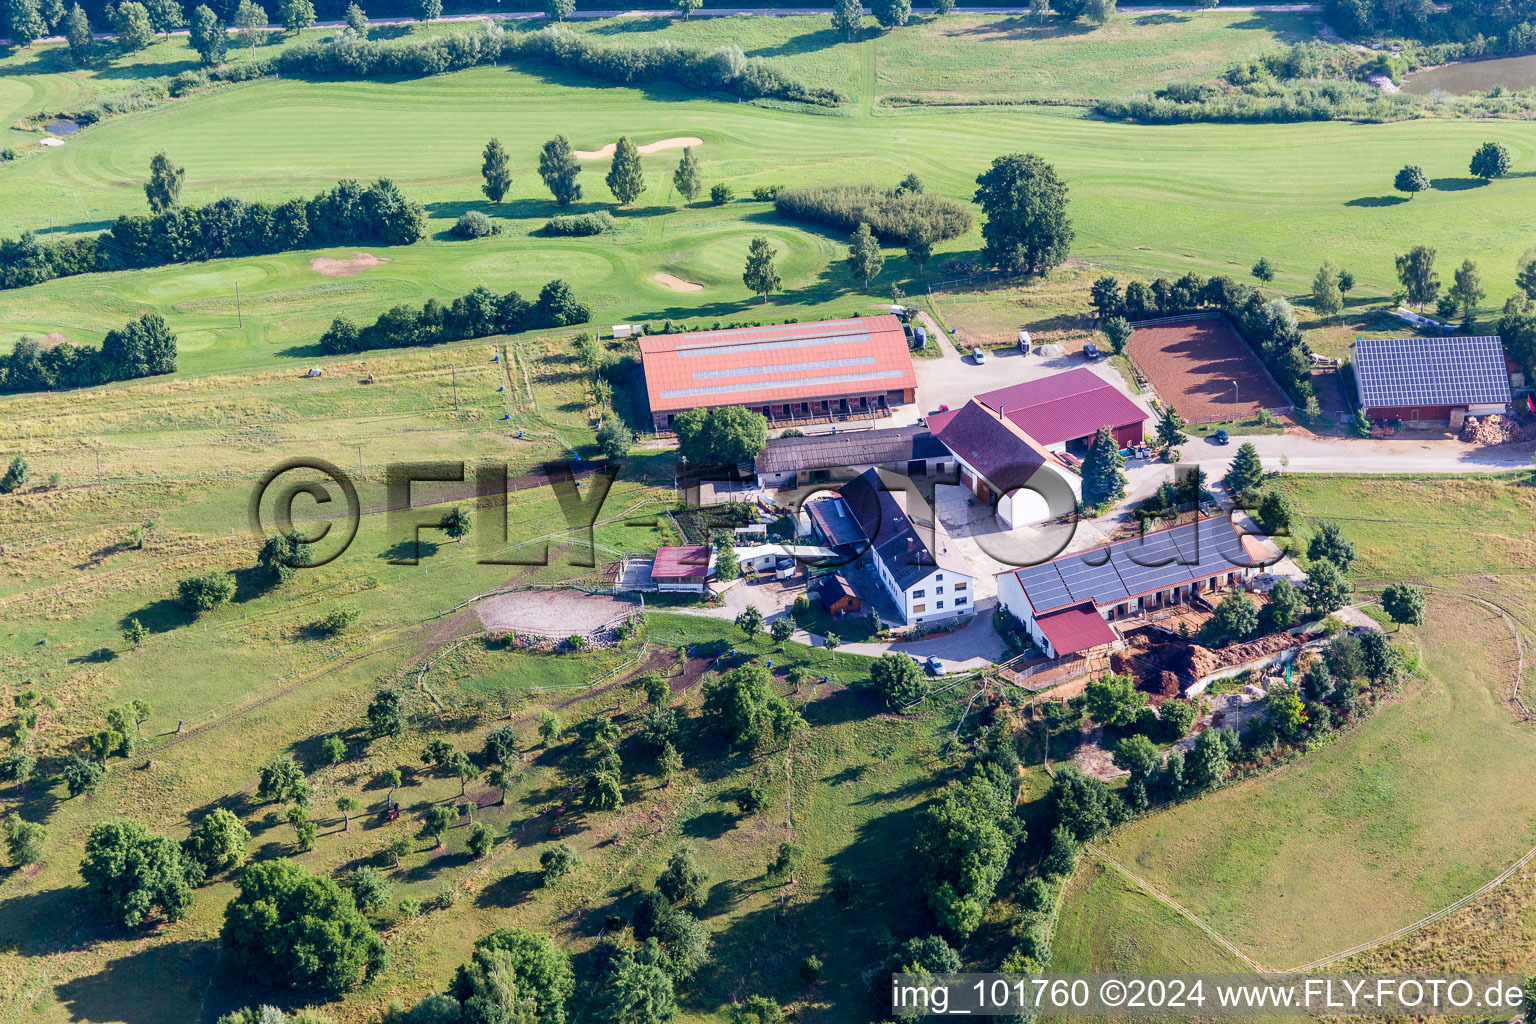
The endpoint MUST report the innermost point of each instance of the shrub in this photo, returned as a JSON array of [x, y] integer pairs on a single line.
[[337, 620], [579, 224], [721, 194], [766, 193], [474, 224], [188, 82], [205, 591], [891, 216]]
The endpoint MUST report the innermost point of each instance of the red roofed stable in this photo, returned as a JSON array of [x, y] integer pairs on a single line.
[[791, 373], [681, 567], [1067, 407]]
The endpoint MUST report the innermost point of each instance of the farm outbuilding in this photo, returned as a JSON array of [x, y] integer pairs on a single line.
[[827, 371], [1068, 408], [838, 596], [820, 458], [1431, 381]]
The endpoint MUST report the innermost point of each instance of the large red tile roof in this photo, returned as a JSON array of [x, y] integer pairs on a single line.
[[776, 364], [1063, 406]]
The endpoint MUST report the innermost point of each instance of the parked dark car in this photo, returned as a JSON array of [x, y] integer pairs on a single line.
[[1221, 437]]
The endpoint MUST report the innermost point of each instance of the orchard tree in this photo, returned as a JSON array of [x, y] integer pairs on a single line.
[[24, 840], [549, 727], [626, 178], [348, 806], [682, 879], [687, 178], [1404, 602], [288, 927], [218, 843], [750, 621], [558, 861], [369, 889], [1411, 179], [439, 819], [759, 273], [495, 170], [1490, 161], [386, 715], [742, 703], [781, 630], [1027, 229], [82, 775], [132, 872], [898, 679], [456, 523], [206, 591]]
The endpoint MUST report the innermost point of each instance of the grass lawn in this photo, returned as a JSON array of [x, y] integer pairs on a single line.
[[1411, 810]]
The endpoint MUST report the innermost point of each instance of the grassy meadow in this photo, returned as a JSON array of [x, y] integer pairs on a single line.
[[1416, 807]]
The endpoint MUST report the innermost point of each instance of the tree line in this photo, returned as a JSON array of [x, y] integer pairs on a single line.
[[479, 314], [725, 69], [349, 213], [894, 215], [140, 348]]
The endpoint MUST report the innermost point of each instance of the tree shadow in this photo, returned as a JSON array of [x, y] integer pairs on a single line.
[[1162, 18], [153, 984], [709, 825], [161, 616], [510, 890], [1377, 201], [406, 550], [1456, 184]]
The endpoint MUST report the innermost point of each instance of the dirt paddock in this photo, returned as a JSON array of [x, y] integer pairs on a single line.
[[1192, 364], [557, 613]]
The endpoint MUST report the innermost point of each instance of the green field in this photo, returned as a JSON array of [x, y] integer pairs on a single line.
[[1145, 200], [1415, 808]]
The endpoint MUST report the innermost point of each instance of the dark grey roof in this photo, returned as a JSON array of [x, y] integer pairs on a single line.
[[1431, 371], [910, 550], [835, 522], [849, 449], [1115, 572]]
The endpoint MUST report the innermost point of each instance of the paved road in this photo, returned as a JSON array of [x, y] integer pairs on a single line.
[[731, 12]]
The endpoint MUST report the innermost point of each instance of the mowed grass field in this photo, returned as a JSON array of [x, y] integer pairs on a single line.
[[1415, 808], [1210, 198]]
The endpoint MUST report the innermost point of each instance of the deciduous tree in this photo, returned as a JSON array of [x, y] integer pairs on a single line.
[[759, 274], [132, 873], [1327, 299], [626, 178], [208, 36], [848, 15], [251, 23], [559, 168], [1490, 161], [1404, 602], [1027, 229], [1411, 179]]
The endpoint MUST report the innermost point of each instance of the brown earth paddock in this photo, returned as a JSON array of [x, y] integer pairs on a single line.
[[1191, 363]]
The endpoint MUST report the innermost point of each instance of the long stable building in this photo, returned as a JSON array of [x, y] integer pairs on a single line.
[[823, 371], [1068, 603]]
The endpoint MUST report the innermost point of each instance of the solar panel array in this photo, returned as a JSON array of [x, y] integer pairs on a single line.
[[1431, 371], [1117, 572], [776, 385]]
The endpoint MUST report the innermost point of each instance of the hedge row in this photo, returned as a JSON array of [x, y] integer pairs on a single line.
[[348, 214], [577, 224], [479, 314], [141, 348], [725, 69], [891, 215]]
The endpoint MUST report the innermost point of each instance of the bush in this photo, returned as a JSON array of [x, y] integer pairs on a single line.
[[766, 193], [205, 591], [338, 620], [721, 194], [474, 224], [890, 215], [188, 82], [579, 224]]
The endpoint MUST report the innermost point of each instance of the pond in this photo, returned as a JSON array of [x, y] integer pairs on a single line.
[[61, 127], [1474, 76]]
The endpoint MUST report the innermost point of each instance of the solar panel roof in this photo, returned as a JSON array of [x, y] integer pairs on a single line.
[[1431, 371], [1115, 572]]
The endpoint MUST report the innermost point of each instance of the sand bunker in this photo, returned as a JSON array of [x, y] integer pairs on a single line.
[[649, 147], [331, 266], [677, 284]]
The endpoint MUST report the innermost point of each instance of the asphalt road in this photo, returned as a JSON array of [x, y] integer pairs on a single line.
[[726, 12]]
